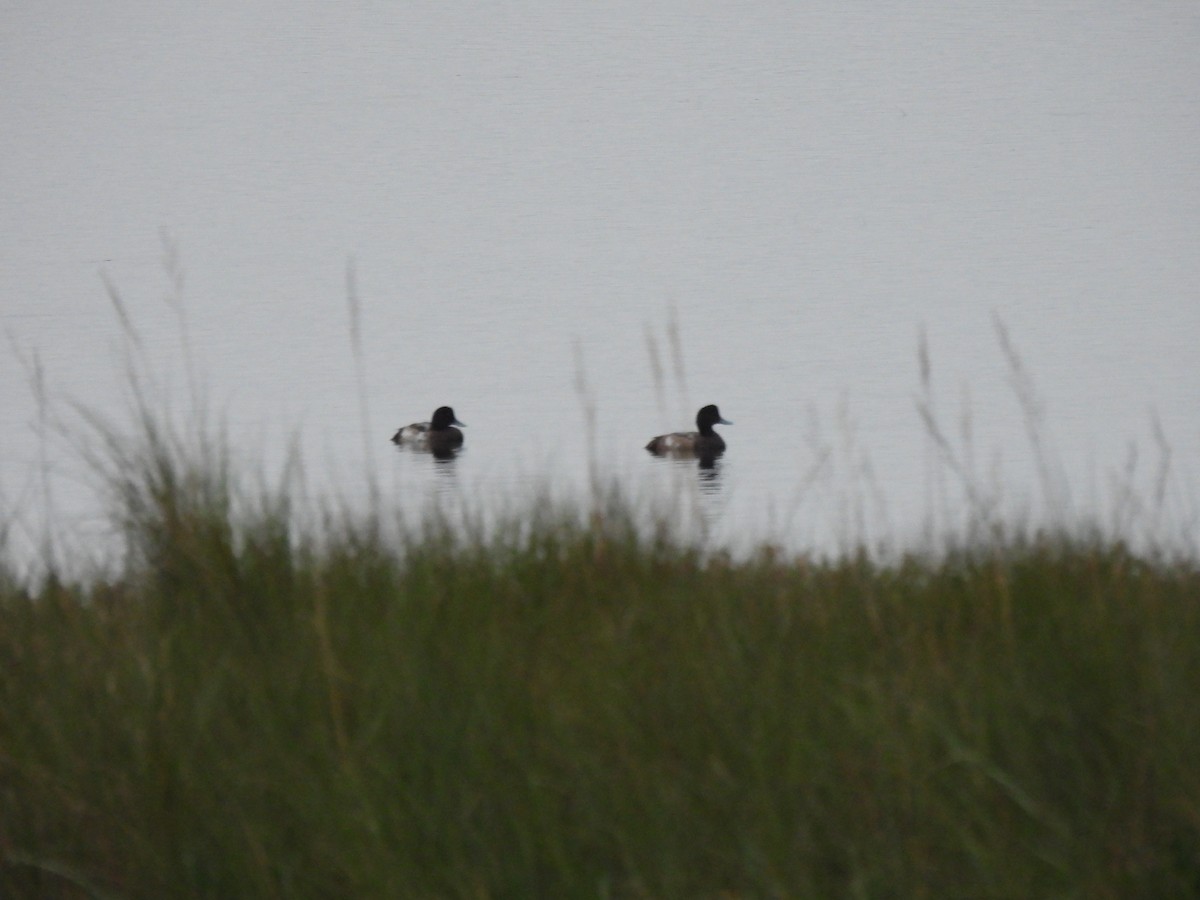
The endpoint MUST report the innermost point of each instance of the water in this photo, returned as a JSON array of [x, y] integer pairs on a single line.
[[550, 218]]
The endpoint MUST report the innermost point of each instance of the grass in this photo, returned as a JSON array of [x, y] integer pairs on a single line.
[[252, 703], [579, 707]]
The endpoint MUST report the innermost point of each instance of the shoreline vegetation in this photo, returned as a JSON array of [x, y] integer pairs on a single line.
[[256, 701], [579, 706]]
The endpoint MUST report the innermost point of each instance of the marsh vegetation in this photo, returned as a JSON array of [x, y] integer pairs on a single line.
[[254, 702]]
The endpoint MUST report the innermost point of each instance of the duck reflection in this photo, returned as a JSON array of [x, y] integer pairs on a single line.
[[706, 465], [442, 459], [696, 491], [708, 473]]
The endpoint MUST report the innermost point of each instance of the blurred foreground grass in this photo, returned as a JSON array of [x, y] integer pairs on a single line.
[[574, 707]]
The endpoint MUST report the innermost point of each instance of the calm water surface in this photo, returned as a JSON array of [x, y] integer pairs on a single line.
[[578, 226]]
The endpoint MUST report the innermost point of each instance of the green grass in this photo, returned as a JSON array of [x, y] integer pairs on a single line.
[[575, 707]]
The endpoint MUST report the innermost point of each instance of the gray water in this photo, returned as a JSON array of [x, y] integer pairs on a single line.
[[576, 226]]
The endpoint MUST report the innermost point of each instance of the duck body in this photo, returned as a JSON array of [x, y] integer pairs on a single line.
[[439, 433], [704, 442]]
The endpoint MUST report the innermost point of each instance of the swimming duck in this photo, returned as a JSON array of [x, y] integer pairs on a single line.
[[704, 442], [438, 433]]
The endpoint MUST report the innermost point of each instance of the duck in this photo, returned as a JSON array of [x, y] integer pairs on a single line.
[[704, 442], [438, 434]]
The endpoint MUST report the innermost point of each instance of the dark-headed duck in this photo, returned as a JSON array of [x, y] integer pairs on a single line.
[[438, 433], [704, 442]]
